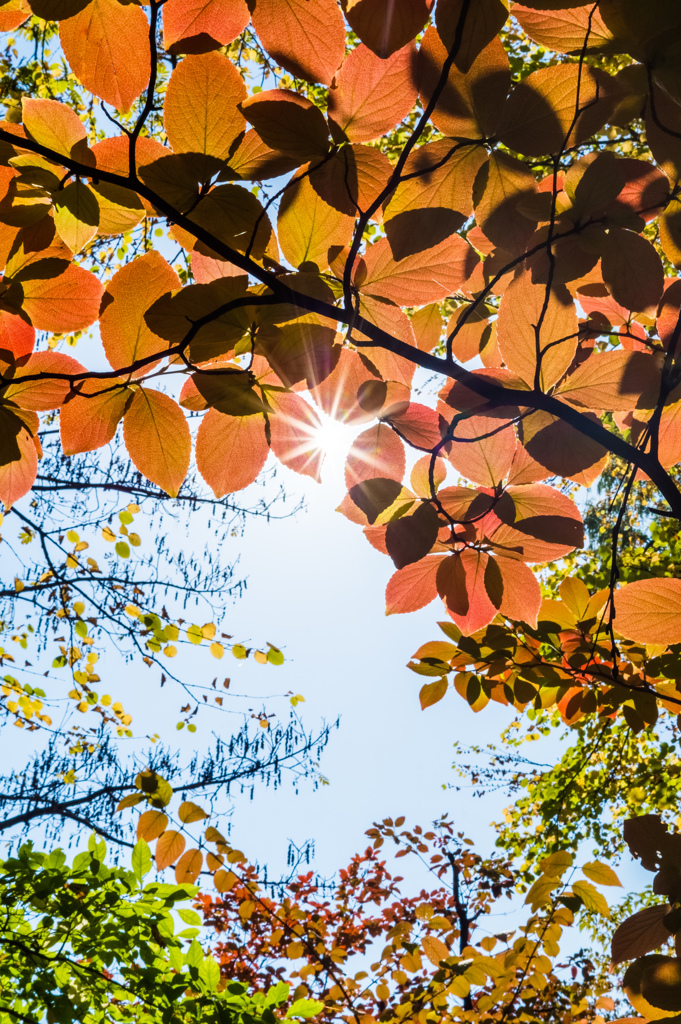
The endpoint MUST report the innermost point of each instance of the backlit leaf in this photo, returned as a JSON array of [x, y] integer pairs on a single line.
[[76, 215], [288, 122], [46, 392], [107, 46], [295, 436], [56, 126], [169, 847], [388, 25], [467, 29], [530, 327], [230, 451], [422, 277], [308, 227], [157, 439], [601, 873], [632, 270], [411, 537], [151, 824], [370, 96], [201, 109], [188, 867], [307, 37], [567, 31], [132, 290], [412, 587], [195, 26], [649, 611], [377, 452], [640, 934], [88, 423], [66, 302], [189, 812]]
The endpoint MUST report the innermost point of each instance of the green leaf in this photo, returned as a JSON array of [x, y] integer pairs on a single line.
[[141, 859], [81, 628], [304, 1008], [194, 955], [122, 549], [209, 973], [190, 917]]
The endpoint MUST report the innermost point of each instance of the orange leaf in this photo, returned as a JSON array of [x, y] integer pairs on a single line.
[[611, 380], [89, 423], [470, 34], [461, 585], [352, 179], [201, 113], [151, 824], [500, 187], [56, 126], [17, 338], [17, 476], [561, 448], [388, 25], [307, 37], [412, 587], [411, 537], [632, 269], [429, 694], [308, 227], [427, 326], [513, 589], [48, 393], [157, 439], [230, 451], [295, 434], [545, 524], [470, 105], [420, 476], [528, 324], [169, 847], [195, 26], [189, 812], [539, 116], [107, 46], [482, 449], [649, 611], [377, 452], [338, 394], [370, 96], [129, 294], [435, 950], [567, 31], [289, 122], [188, 867], [65, 303], [418, 424], [422, 277]]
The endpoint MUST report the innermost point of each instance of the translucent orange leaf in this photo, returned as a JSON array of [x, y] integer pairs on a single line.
[[307, 37], [422, 277], [195, 26], [513, 589], [151, 824], [56, 126], [230, 451], [188, 867], [567, 31], [295, 435], [201, 113], [530, 326], [649, 611], [308, 227], [412, 587], [461, 585], [17, 338], [189, 812], [89, 423], [157, 439], [107, 46], [65, 303], [169, 847], [370, 96], [377, 452], [125, 334], [388, 25], [48, 393], [468, 29], [17, 476], [288, 122]]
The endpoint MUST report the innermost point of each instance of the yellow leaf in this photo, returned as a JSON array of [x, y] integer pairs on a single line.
[[151, 825], [18, 585], [435, 950], [601, 873], [217, 650], [108, 534], [208, 630], [431, 693], [591, 898], [189, 812]]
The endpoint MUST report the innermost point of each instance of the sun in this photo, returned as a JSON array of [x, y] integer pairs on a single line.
[[334, 439]]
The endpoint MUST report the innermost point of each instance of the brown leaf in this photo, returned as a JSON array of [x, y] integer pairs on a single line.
[[640, 934]]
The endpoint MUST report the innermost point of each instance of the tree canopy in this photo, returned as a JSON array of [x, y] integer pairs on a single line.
[[456, 228]]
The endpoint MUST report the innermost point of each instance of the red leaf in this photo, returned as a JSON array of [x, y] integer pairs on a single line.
[[412, 587], [307, 37], [107, 46], [294, 434], [370, 96], [388, 25], [194, 26], [230, 451], [157, 438], [377, 452], [545, 524], [131, 291]]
